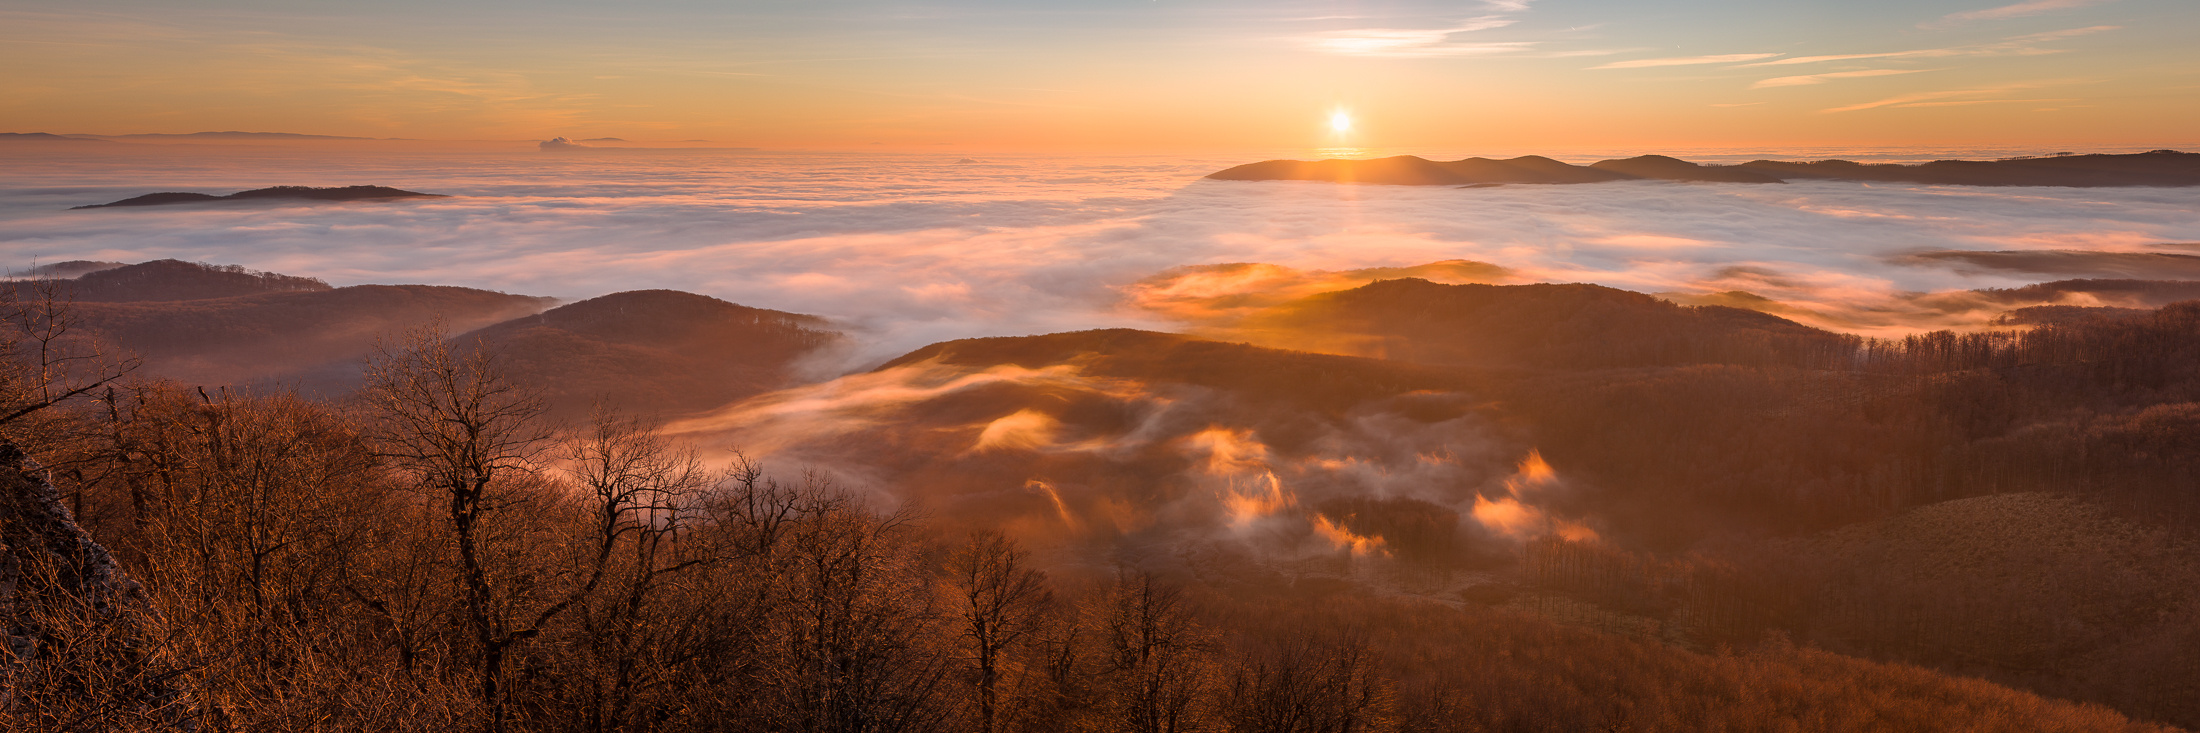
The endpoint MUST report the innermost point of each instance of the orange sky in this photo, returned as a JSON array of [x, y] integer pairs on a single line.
[[1145, 75]]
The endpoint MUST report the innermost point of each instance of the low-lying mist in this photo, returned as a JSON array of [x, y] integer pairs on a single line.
[[912, 249], [1077, 457]]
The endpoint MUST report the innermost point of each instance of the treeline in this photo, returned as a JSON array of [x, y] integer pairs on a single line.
[[170, 280]]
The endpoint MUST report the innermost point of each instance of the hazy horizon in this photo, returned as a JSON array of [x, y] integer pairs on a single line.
[[912, 249]]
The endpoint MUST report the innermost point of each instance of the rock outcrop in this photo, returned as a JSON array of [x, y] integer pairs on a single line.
[[78, 634]]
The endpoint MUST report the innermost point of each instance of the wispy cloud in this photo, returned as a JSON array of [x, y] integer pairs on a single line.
[[1947, 98], [2054, 35], [1579, 53], [1806, 80], [1793, 60], [1971, 102], [1416, 43], [2019, 10], [1686, 61], [2024, 45], [1439, 42]]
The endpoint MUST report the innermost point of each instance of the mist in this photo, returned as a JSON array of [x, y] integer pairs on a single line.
[[911, 249]]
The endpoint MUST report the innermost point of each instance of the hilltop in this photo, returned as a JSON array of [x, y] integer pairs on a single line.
[[1565, 326], [276, 193], [2152, 168], [167, 280], [654, 351], [43, 137]]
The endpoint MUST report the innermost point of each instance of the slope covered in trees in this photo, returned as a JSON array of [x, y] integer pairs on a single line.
[[1551, 508], [655, 351], [316, 569], [1540, 326], [170, 280], [312, 339]]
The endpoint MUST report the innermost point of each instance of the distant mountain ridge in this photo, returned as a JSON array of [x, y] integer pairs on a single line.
[[2153, 168], [43, 137], [275, 193], [174, 280]]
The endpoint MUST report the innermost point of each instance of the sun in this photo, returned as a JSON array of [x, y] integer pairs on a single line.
[[1339, 122]]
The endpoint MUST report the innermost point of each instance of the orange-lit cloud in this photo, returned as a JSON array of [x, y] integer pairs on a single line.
[[1515, 514], [1024, 430], [1344, 539]]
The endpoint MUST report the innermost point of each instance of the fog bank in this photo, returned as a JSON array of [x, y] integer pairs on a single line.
[[912, 249]]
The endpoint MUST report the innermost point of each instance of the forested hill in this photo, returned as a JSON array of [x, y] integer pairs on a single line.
[[2153, 168], [655, 351], [306, 194]]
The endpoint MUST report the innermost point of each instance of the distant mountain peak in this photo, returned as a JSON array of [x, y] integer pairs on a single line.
[[2153, 168], [273, 193], [43, 137]]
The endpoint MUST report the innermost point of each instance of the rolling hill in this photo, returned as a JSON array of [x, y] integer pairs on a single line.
[[655, 351]]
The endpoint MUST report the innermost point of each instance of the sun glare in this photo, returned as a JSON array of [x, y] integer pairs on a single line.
[[1340, 122]]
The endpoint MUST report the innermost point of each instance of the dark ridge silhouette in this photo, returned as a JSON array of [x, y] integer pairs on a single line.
[[172, 280], [1408, 170], [277, 193], [655, 351], [1572, 326], [557, 144], [69, 269], [312, 339], [2115, 265], [2153, 168], [42, 137], [1674, 169]]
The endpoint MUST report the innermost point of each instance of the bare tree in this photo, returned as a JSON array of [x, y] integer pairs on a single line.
[[454, 425], [641, 495], [1159, 656], [1310, 682], [859, 638], [45, 358], [1002, 601]]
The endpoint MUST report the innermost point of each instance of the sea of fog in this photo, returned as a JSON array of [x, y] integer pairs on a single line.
[[908, 249]]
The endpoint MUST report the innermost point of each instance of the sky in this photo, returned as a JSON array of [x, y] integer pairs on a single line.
[[1122, 75]]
